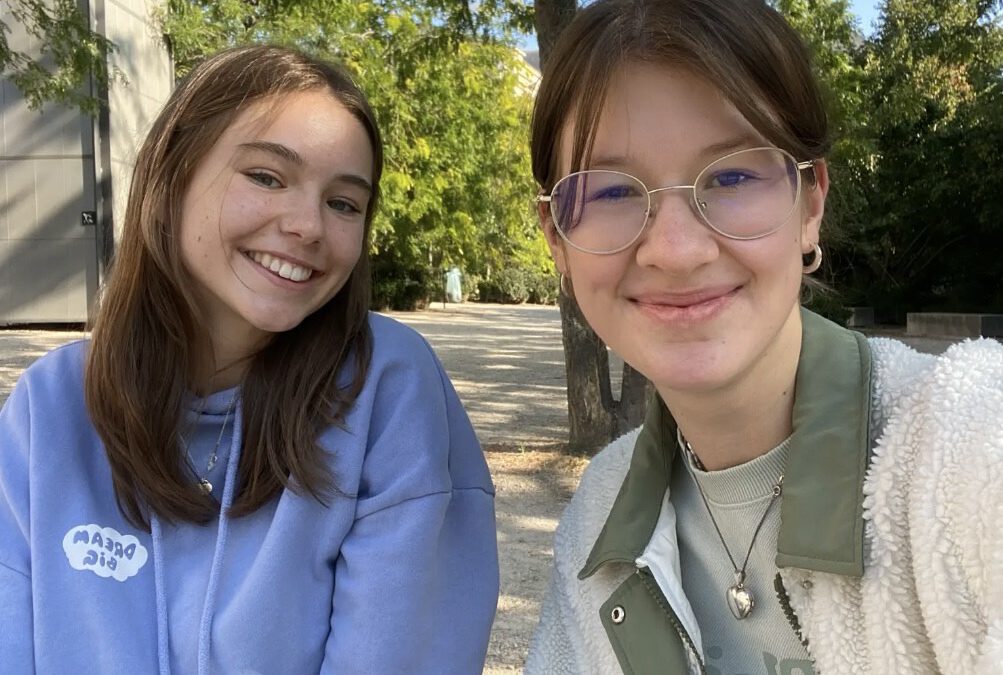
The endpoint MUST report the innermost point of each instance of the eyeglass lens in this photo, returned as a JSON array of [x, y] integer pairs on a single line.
[[744, 195]]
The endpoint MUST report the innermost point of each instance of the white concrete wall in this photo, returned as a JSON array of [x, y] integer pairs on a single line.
[[134, 103]]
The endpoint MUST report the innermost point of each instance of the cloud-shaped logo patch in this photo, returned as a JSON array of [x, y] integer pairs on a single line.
[[104, 551]]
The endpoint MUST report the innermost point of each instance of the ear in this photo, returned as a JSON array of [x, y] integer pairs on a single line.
[[814, 198], [554, 241]]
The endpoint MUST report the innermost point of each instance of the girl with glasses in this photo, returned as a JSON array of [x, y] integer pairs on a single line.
[[243, 470], [799, 498]]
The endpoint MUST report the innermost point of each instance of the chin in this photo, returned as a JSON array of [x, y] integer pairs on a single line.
[[690, 372], [276, 324]]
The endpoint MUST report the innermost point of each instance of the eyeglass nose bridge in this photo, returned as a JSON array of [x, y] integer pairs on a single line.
[[694, 203]]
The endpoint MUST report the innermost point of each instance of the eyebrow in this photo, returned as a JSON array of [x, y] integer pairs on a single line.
[[746, 140], [287, 153], [283, 151]]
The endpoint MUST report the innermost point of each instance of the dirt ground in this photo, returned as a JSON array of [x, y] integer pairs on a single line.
[[532, 489]]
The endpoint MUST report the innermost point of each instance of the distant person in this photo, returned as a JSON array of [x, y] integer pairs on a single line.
[[799, 499], [243, 470]]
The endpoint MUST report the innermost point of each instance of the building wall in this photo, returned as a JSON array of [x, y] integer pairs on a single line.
[[48, 270], [53, 162], [133, 103]]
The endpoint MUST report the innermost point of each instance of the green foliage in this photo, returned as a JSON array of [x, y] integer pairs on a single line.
[[68, 55], [516, 285], [450, 93], [404, 288], [916, 202], [509, 285]]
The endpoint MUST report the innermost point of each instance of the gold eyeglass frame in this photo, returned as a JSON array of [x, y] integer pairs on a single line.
[[801, 166]]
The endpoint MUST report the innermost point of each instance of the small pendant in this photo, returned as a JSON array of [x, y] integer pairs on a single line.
[[206, 487], [740, 601]]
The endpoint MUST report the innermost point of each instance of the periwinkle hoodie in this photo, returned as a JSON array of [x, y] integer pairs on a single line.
[[398, 575]]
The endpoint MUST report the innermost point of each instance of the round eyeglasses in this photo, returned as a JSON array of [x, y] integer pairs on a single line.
[[744, 195]]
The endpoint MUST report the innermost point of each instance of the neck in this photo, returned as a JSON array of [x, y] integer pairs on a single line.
[[748, 416], [228, 363]]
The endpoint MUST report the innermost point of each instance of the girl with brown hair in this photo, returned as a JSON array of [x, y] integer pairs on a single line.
[[799, 498], [243, 470]]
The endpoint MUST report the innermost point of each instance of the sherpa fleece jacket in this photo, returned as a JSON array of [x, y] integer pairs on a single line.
[[929, 594]]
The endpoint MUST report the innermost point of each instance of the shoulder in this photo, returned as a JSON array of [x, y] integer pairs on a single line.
[[934, 486], [401, 351], [56, 375], [966, 379], [416, 437], [393, 338], [942, 429], [403, 364], [897, 368], [589, 508], [977, 363]]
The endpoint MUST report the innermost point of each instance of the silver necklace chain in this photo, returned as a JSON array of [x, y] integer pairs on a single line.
[[740, 599], [202, 480]]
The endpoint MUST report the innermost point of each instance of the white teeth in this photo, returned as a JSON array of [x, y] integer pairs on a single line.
[[283, 268]]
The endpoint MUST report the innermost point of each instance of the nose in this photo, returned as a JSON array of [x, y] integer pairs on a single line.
[[675, 238], [304, 219]]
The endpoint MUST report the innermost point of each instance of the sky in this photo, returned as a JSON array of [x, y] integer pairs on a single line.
[[866, 11]]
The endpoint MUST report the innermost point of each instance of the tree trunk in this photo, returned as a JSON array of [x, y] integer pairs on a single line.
[[551, 17], [586, 365], [594, 416]]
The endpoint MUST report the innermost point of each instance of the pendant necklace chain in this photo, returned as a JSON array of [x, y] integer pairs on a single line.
[[205, 487], [740, 599]]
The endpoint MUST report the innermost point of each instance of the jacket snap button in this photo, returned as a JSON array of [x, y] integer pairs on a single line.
[[806, 584], [618, 615]]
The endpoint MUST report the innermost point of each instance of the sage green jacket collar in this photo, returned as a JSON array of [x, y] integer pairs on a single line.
[[822, 509]]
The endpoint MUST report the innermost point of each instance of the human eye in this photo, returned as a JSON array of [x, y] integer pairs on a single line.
[[612, 192], [263, 179], [731, 178], [344, 206]]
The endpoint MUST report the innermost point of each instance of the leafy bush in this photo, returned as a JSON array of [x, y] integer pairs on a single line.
[[471, 284], [508, 286], [398, 288], [543, 288], [515, 286]]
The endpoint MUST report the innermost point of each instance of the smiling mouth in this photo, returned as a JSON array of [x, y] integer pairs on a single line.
[[282, 268], [687, 308]]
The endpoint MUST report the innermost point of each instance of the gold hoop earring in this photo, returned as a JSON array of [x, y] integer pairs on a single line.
[[816, 260], [564, 288]]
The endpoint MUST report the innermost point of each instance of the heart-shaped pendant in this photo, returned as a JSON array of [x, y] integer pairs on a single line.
[[740, 601], [206, 488]]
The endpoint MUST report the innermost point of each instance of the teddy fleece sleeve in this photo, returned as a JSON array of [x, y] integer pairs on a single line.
[[416, 580], [956, 508], [16, 643], [550, 652]]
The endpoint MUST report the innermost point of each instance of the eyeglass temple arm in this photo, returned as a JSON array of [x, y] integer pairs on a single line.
[[810, 164], [542, 198]]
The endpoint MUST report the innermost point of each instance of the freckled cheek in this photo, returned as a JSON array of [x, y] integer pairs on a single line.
[[597, 274], [346, 241]]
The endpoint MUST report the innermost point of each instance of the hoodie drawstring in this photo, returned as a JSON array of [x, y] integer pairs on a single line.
[[209, 604]]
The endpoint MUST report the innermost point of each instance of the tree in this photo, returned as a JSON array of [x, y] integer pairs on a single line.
[[929, 207], [594, 416], [68, 54]]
